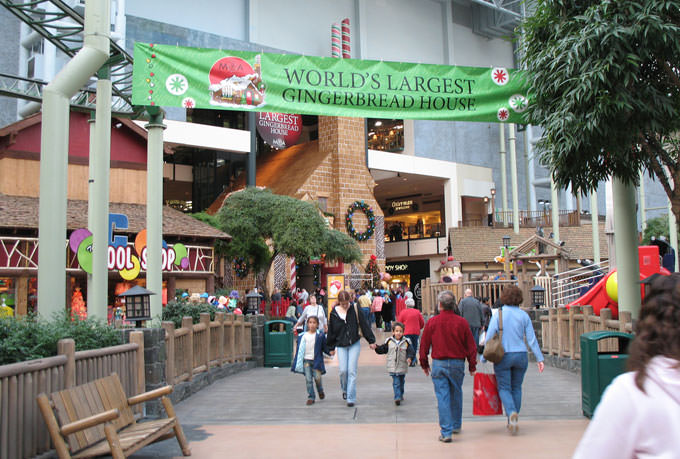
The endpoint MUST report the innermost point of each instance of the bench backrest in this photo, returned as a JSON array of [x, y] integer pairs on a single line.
[[86, 400]]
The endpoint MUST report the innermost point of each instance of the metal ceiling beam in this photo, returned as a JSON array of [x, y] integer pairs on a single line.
[[64, 29]]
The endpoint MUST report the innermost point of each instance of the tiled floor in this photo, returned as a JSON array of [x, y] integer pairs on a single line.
[[262, 413]]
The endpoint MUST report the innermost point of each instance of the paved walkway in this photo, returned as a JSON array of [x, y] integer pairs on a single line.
[[262, 413]]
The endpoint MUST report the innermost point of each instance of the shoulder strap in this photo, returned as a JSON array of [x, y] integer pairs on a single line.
[[500, 321]]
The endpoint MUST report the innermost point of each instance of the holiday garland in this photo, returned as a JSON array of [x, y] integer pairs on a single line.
[[370, 216], [240, 267]]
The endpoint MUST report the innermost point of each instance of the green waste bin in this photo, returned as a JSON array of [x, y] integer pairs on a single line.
[[278, 343], [598, 369]]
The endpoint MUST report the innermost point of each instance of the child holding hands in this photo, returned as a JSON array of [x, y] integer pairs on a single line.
[[400, 353], [309, 358]]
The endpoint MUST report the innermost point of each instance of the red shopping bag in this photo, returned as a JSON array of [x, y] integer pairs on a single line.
[[485, 399]]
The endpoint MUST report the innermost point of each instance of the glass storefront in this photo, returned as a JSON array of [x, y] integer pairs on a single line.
[[416, 225], [386, 135]]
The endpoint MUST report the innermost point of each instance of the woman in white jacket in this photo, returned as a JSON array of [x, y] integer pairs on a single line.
[[639, 414]]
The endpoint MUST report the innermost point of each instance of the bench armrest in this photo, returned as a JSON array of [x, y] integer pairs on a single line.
[[91, 421], [152, 394]]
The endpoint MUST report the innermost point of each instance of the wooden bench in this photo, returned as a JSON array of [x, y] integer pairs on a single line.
[[95, 419]]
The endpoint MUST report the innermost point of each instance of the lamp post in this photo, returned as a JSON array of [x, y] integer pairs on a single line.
[[506, 244], [137, 304], [253, 302], [537, 296], [493, 207]]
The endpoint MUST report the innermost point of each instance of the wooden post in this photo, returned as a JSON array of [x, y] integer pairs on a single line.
[[219, 317], [188, 323], [572, 333], [240, 346], [587, 314], [205, 320], [552, 320], [67, 347], [137, 337], [170, 375], [562, 337], [605, 315], [625, 317]]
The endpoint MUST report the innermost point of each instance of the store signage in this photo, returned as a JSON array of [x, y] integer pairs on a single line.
[[121, 257], [280, 130], [176, 76], [390, 268]]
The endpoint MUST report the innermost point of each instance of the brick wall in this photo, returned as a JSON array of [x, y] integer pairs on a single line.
[[344, 177]]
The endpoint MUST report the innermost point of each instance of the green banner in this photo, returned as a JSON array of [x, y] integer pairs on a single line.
[[174, 76]]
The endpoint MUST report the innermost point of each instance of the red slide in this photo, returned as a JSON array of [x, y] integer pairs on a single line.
[[597, 296]]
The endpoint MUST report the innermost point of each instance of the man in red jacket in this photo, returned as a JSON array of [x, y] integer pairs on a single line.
[[451, 341], [413, 323]]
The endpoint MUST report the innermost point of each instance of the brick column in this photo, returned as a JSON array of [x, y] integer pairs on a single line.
[[344, 140]]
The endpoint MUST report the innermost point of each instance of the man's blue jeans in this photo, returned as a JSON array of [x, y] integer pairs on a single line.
[[447, 377], [348, 358], [414, 340], [367, 313], [509, 376], [475, 334], [398, 385], [312, 376]]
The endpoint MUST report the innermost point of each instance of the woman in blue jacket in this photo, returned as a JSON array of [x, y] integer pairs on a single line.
[[510, 371]]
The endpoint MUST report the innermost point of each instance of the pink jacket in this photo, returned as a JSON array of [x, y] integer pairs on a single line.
[[629, 423]]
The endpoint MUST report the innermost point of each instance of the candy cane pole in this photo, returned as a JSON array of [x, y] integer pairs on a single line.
[[293, 276], [335, 40], [346, 53]]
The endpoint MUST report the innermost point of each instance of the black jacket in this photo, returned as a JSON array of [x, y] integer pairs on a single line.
[[345, 333]]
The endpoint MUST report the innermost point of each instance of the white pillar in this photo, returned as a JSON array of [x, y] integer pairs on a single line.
[[594, 215], [504, 174], [555, 215], [154, 210], [673, 231], [452, 203], [643, 210], [513, 177]]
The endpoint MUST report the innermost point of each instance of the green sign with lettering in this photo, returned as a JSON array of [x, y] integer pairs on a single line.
[[176, 76]]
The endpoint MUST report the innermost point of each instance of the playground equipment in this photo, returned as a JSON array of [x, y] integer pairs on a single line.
[[604, 294]]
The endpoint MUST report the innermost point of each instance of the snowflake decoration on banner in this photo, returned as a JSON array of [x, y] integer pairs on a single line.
[[188, 102], [500, 76], [176, 84], [503, 114], [518, 103]]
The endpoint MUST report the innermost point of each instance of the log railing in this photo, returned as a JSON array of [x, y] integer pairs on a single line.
[[195, 348], [561, 329], [480, 289], [23, 432]]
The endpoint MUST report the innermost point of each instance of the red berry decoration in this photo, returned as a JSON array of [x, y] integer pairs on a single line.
[[151, 74], [153, 55]]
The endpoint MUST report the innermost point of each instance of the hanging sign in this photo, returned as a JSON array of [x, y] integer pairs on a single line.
[[280, 130], [176, 76], [127, 260]]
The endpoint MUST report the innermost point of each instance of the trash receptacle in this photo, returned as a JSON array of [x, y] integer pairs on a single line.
[[278, 343], [599, 368]]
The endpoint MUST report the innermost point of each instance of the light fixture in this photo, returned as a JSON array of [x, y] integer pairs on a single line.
[[486, 199], [493, 192], [377, 123], [506, 241]]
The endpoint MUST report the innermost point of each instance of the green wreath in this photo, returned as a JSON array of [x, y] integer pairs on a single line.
[[370, 216], [240, 267]]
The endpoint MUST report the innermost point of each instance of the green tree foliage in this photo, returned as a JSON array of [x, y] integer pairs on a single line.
[[28, 338], [255, 217], [605, 86], [656, 227]]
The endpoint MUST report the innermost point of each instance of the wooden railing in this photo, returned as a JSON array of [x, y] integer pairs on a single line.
[[195, 348], [532, 219], [562, 328], [23, 432], [487, 289], [430, 290]]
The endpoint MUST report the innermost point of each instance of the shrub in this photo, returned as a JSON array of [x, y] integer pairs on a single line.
[[175, 310], [30, 337]]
